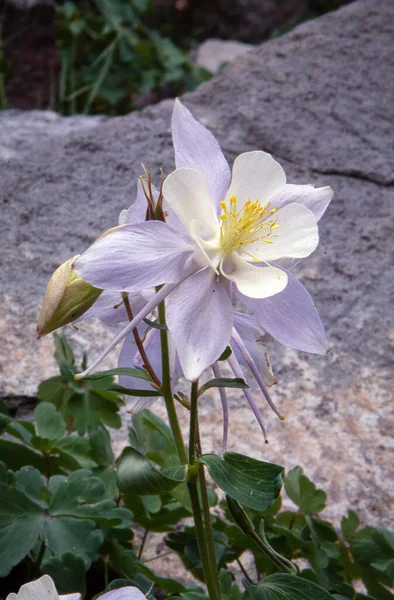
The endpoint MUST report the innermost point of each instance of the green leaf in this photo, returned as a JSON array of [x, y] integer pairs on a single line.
[[74, 452], [49, 423], [156, 325], [138, 393], [226, 354], [254, 483], [68, 573], [119, 371], [349, 525], [65, 517], [16, 456], [94, 408], [286, 587], [63, 350], [79, 496], [101, 447], [302, 491], [20, 525], [226, 382], [137, 475]]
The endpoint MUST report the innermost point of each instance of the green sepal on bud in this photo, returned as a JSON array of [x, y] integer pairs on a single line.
[[67, 297]]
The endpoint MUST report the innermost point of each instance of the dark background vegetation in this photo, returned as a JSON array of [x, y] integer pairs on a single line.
[[114, 56]]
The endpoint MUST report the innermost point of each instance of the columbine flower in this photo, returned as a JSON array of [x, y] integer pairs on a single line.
[[236, 230], [44, 589]]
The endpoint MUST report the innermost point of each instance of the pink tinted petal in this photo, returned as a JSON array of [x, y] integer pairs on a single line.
[[196, 148], [291, 318], [134, 257], [200, 318], [250, 332], [316, 199]]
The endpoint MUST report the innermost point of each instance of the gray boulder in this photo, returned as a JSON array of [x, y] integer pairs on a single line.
[[320, 100]]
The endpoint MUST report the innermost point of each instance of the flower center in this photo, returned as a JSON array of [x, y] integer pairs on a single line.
[[253, 223]]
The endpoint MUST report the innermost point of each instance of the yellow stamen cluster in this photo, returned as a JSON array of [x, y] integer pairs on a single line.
[[253, 223]]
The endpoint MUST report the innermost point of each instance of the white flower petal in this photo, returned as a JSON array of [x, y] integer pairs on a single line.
[[256, 176], [296, 237], [125, 593], [316, 199], [253, 281], [196, 148], [41, 589], [186, 192]]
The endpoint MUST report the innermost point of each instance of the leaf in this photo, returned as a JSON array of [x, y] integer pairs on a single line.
[[254, 483], [138, 393], [226, 354], [303, 492], [20, 524], [349, 525], [74, 452], [119, 371], [137, 475], [49, 423], [68, 573], [94, 408], [15, 456], [101, 447], [80, 495], [63, 350], [286, 587], [65, 517], [156, 324], [226, 382]]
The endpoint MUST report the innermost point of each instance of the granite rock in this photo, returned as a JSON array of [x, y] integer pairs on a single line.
[[214, 54], [320, 100]]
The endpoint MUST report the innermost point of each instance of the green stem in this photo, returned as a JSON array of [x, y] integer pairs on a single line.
[[142, 544], [167, 388], [207, 519], [202, 521]]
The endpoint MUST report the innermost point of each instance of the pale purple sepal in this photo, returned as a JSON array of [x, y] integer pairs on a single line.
[[135, 257], [199, 316], [137, 211], [223, 397], [291, 318], [196, 148], [316, 199], [252, 334], [109, 307], [125, 593], [129, 357], [236, 369]]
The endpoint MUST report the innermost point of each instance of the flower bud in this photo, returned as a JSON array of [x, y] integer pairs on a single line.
[[67, 297]]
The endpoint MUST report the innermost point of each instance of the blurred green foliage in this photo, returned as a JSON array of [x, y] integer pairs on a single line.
[[110, 58]]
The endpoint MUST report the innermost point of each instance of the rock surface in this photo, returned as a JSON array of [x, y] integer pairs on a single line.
[[319, 99], [214, 54]]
